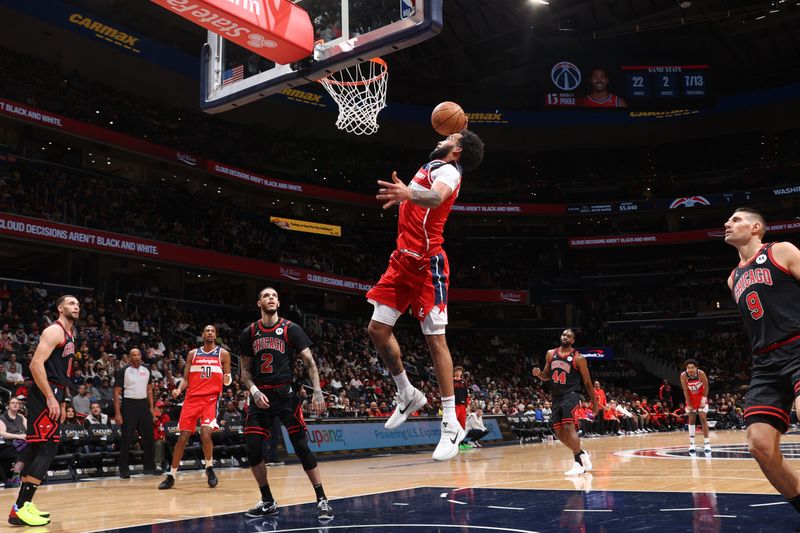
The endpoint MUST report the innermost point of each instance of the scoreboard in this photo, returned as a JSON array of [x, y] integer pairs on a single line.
[[666, 82], [582, 84]]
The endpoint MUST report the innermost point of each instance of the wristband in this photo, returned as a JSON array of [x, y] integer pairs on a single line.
[[254, 390]]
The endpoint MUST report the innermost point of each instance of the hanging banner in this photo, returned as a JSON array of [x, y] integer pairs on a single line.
[[114, 243], [306, 226]]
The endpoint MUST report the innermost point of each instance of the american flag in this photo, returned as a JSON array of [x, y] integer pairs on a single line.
[[232, 75]]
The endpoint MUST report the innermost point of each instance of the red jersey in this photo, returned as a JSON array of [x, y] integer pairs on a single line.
[[612, 100], [420, 229], [205, 373], [696, 389]]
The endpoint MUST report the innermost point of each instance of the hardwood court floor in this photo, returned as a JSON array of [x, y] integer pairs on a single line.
[[113, 503]]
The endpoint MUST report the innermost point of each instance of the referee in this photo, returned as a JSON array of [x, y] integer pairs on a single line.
[[133, 408]]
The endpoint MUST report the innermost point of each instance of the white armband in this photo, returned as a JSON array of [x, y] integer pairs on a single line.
[[254, 390]]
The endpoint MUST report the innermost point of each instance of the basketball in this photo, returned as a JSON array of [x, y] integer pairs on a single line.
[[448, 118]]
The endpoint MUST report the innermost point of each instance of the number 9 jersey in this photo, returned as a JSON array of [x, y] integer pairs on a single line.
[[272, 350], [768, 297]]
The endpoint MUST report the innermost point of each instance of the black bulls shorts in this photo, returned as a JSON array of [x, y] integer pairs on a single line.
[[563, 409], [774, 384], [41, 428], [284, 404]]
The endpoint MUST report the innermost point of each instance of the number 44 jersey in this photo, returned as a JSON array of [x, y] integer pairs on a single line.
[[564, 375], [768, 297], [272, 350]]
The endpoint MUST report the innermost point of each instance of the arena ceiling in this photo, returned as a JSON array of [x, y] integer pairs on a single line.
[[498, 46]]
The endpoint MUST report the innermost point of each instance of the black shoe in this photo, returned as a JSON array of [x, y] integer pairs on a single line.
[[324, 511], [212, 477], [168, 483], [263, 508], [124, 474]]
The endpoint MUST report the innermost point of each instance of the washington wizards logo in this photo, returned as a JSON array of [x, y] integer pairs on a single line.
[[689, 201]]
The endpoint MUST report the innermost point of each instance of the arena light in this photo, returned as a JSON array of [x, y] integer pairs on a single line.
[[540, 2], [684, 3]]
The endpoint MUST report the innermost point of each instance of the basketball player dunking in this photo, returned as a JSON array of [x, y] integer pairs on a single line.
[[695, 390], [208, 368], [418, 277], [567, 369], [51, 368], [266, 348], [766, 289]]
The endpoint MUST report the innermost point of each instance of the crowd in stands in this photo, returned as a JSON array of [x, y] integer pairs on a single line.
[[741, 160], [355, 382], [67, 195]]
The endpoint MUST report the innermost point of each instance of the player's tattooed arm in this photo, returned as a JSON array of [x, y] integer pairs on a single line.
[[244, 369], [397, 192], [317, 399]]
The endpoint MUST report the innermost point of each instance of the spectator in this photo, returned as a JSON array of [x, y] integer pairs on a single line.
[[13, 427], [665, 392], [476, 430], [95, 416], [81, 402], [159, 435], [70, 417], [601, 395], [13, 377]]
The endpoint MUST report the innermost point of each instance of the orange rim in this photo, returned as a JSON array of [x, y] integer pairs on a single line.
[[369, 81]]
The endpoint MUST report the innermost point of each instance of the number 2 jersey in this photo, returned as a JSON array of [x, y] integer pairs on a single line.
[[272, 350], [565, 378], [205, 373], [768, 297]]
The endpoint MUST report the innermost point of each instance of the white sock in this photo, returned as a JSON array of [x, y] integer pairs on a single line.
[[402, 382], [692, 430], [173, 472], [449, 407], [705, 441], [209, 464]]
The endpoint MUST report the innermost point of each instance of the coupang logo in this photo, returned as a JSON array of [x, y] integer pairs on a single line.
[[689, 201], [320, 437]]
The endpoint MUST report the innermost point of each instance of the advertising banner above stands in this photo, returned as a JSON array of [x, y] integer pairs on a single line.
[[675, 237], [110, 33], [33, 115], [34, 229]]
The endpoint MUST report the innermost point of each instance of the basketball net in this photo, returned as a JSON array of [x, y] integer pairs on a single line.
[[360, 92]]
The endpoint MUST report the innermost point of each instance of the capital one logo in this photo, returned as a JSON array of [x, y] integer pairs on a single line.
[[256, 40], [566, 76]]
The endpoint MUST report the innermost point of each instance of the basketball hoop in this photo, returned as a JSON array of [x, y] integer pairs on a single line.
[[360, 92]]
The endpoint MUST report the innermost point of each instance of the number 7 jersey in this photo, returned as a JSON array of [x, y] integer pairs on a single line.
[[768, 297]]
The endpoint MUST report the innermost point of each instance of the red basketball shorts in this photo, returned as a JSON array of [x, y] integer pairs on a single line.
[[203, 408]]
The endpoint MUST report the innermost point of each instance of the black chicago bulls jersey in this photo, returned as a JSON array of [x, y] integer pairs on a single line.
[[59, 365], [564, 375], [272, 350], [768, 297]]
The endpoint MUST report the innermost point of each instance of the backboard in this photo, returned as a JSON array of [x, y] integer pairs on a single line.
[[349, 32]]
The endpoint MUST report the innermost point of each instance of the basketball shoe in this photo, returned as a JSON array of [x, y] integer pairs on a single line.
[[586, 460], [408, 401], [452, 434], [168, 482], [576, 470], [263, 508], [27, 515], [324, 511], [212, 477]]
